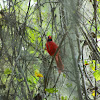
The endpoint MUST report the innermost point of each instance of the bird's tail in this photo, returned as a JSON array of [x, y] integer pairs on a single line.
[[59, 63]]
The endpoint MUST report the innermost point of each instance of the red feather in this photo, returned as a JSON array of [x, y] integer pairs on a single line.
[[51, 48]]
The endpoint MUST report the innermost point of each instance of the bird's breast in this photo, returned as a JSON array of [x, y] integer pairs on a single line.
[[51, 47]]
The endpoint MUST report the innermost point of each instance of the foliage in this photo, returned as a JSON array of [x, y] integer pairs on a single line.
[[64, 98], [51, 90], [7, 71], [97, 75]]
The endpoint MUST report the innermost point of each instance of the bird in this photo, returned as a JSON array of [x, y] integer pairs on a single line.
[[51, 48]]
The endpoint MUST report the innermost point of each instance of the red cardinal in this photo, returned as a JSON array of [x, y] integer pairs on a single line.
[[51, 47]]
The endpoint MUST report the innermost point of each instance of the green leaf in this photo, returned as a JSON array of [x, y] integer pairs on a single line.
[[32, 80], [63, 98], [4, 78], [64, 75], [97, 75], [92, 65], [51, 90], [69, 85], [48, 33], [98, 65], [86, 63], [7, 71], [31, 52], [20, 80], [29, 81]]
